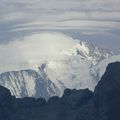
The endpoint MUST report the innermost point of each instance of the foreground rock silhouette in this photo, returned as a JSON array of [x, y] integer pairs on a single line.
[[102, 104]]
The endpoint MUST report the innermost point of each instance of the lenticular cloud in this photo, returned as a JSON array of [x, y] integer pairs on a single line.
[[32, 50]]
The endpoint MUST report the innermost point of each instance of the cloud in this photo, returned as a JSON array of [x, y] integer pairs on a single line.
[[31, 11], [26, 17], [32, 50]]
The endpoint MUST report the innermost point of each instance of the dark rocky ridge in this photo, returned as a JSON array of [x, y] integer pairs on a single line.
[[103, 104], [107, 94]]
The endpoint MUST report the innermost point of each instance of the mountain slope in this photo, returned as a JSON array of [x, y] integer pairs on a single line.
[[52, 77], [28, 83], [76, 65], [102, 104]]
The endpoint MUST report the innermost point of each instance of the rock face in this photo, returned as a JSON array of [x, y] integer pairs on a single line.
[[103, 104], [107, 94], [4, 98], [28, 83]]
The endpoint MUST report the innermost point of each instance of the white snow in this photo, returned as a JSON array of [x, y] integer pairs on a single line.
[[68, 63]]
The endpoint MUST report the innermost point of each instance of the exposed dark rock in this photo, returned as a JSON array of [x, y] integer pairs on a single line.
[[103, 104], [107, 94]]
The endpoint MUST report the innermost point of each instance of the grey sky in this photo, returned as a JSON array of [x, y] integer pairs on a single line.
[[90, 18]]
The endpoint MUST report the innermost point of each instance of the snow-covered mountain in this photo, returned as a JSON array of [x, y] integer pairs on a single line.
[[69, 64]]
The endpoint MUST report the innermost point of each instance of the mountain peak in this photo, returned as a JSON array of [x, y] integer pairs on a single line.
[[44, 67], [36, 49]]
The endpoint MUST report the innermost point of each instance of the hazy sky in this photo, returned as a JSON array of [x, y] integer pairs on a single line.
[[97, 21]]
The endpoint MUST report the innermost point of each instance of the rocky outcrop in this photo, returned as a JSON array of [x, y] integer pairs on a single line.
[[103, 104], [5, 96], [107, 94]]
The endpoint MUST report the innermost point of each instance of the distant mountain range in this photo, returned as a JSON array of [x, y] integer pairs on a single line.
[[79, 67]]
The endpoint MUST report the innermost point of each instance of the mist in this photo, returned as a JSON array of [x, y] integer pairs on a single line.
[[30, 51]]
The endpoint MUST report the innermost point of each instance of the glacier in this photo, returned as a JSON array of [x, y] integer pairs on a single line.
[[45, 65]]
